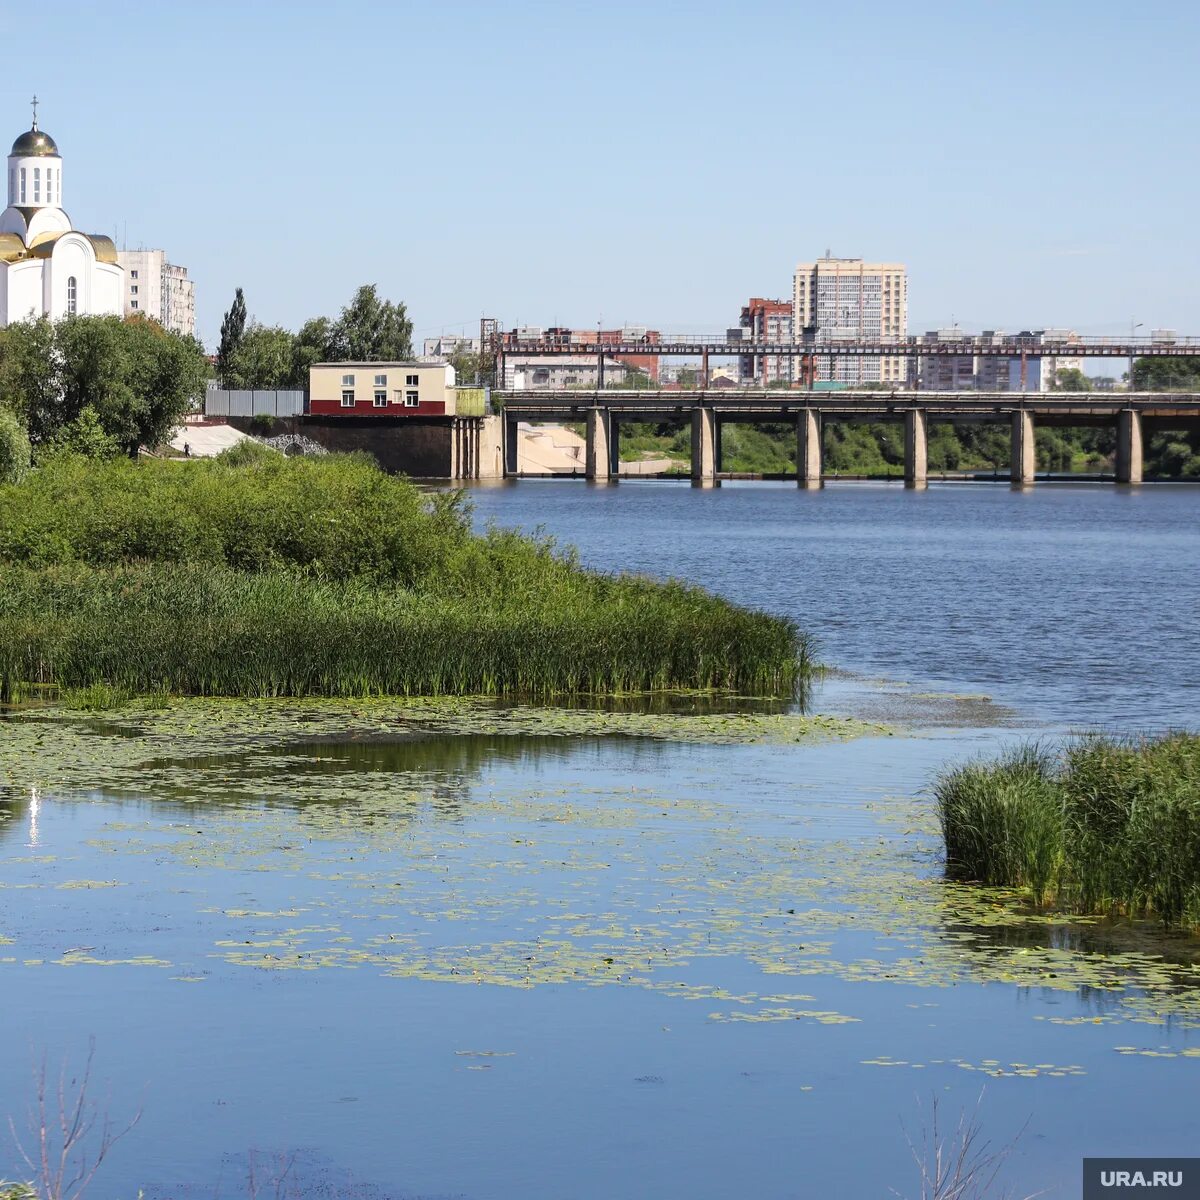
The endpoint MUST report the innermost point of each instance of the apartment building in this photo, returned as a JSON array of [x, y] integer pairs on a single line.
[[847, 298], [159, 289], [1035, 371], [447, 345], [551, 373], [765, 321]]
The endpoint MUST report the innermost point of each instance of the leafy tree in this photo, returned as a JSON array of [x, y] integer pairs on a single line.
[[84, 435], [1166, 374], [139, 378], [233, 328], [314, 343], [168, 374], [29, 375], [14, 448], [472, 367], [371, 329], [264, 358], [1173, 455], [1071, 379]]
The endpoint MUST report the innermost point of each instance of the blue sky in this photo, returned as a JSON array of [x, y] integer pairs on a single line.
[[1032, 163]]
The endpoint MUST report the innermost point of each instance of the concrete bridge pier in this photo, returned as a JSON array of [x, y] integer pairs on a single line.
[[808, 449], [599, 451], [704, 448], [491, 447], [1129, 446], [916, 449], [1024, 456]]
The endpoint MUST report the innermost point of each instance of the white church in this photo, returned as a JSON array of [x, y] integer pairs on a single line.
[[48, 268]]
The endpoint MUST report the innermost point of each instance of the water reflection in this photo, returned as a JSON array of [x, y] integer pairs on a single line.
[[439, 772], [20, 810]]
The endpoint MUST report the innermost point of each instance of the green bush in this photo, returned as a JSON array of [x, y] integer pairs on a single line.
[[14, 448]]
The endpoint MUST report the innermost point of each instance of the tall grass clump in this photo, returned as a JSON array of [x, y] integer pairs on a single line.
[[1108, 825], [326, 577], [1002, 821]]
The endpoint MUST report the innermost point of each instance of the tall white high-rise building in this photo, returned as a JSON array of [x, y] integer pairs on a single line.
[[847, 298], [159, 289]]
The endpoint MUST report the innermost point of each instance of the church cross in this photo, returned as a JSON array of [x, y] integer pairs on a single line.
[[35, 104]]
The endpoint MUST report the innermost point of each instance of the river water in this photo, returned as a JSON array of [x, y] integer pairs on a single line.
[[1080, 604], [508, 967]]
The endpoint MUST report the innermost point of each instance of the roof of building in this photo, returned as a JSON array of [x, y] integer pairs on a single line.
[[11, 247], [43, 247], [388, 363], [35, 143]]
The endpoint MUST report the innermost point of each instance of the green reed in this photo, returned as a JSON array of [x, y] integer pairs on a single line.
[[1109, 825], [211, 630], [263, 576]]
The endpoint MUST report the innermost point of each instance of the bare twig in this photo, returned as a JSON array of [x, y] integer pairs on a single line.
[[277, 1170], [960, 1165], [70, 1138]]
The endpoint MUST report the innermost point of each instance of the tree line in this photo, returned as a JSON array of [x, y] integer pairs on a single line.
[[253, 355], [105, 386]]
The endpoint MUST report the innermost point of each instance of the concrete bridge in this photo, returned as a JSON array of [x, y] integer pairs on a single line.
[[1135, 415]]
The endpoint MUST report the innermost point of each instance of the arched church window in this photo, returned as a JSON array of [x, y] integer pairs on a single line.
[[22, 185], [12, 185], [49, 185], [37, 185], [72, 296]]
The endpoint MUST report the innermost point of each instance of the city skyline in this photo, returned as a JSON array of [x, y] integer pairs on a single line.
[[505, 177]]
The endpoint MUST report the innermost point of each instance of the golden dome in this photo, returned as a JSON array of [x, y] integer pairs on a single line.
[[35, 143]]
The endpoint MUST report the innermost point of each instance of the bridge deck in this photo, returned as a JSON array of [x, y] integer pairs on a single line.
[[778, 404]]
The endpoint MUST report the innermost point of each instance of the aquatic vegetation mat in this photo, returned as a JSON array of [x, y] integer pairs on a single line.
[[469, 844]]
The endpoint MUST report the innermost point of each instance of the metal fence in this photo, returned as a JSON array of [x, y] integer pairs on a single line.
[[221, 402]]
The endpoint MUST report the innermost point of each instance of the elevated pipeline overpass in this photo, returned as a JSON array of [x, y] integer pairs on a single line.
[[684, 345], [1135, 415], [811, 346]]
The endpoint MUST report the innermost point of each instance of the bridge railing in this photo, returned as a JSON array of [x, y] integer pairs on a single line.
[[721, 345]]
